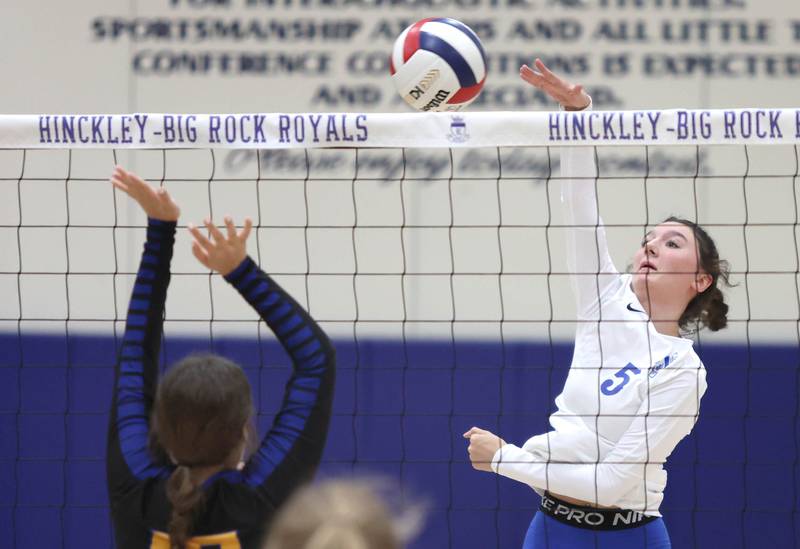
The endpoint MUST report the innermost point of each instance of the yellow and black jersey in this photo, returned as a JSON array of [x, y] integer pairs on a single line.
[[239, 503]]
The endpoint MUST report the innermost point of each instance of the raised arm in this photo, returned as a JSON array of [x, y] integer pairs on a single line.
[[291, 450], [588, 260], [593, 271], [136, 373], [660, 423]]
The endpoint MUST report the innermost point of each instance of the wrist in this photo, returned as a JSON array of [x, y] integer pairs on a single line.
[[155, 221], [234, 273], [497, 458]]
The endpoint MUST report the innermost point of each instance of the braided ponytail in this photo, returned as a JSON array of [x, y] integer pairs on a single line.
[[186, 499]]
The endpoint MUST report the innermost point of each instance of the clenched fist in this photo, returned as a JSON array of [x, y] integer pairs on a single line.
[[482, 447]]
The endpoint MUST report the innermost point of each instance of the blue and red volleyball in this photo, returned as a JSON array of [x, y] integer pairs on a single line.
[[438, 64]]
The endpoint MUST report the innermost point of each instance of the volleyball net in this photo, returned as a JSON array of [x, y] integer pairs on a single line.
[[431, 248]]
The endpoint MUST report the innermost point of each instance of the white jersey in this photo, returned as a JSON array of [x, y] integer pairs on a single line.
[[631, 394]]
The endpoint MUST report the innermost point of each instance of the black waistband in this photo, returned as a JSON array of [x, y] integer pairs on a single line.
[[592, 518]]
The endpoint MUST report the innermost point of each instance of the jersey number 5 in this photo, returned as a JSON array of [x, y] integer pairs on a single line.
[[607, 387]]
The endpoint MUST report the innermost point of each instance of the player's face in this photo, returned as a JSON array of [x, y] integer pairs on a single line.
[[667, 263]]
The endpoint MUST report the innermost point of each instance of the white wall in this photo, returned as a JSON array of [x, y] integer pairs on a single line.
[[55, 60]]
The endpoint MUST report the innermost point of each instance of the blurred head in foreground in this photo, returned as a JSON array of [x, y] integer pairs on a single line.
[[343, 514]]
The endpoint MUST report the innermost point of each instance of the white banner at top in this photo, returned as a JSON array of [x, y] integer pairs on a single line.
[[416, 130]]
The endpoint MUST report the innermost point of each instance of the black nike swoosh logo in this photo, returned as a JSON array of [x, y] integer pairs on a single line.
[[630, 308]]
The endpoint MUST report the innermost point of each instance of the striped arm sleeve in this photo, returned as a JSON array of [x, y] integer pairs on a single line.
[[136, 374], [291, 450]]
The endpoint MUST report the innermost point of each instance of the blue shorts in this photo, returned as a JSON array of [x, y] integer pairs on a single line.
[[545, 532]]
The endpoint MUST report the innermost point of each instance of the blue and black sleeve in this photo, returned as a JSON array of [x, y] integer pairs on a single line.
[[128, 459], [291, 451]]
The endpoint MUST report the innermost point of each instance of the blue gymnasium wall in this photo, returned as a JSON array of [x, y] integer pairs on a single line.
[[735, 482]]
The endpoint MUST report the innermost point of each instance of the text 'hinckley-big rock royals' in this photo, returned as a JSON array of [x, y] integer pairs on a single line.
[[217, 129]]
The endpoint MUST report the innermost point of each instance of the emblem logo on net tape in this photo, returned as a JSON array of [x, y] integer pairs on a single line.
[[458, 130]]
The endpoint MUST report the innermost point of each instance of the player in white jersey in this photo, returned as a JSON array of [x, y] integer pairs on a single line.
[[634, 386]]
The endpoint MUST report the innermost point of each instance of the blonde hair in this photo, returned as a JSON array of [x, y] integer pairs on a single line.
[[342, 514]]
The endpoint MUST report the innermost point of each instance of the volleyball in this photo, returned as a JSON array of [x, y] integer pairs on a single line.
[[438, 64]]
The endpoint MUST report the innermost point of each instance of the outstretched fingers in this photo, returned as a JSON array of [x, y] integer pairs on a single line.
[[156, 202], [125, 180], [244, 234], [230, 227], [555, 82], [570, 96], [216, 234], [199, 238], [217, 237], [547, 74], [217, 250], [119, 184], [119, 179], [531, 76], [200, 253], [538, 80], [134, 179], [233, 234]]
